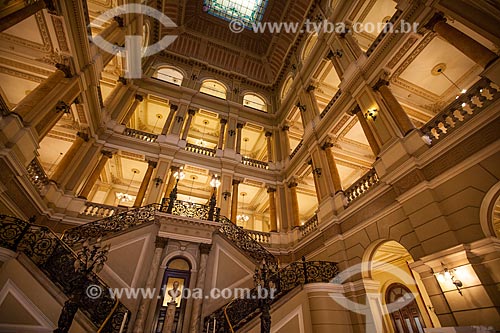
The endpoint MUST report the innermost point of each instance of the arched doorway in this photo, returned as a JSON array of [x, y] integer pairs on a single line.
[[179, 272], [405, 315]]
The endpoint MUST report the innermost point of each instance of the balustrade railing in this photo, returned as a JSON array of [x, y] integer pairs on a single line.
[[296, 150], [259, 236], [331, 103], [93, 209], [57, 261], [144, 136], [254, 163], [37, 175], [388, 28], [361, 186], [310, 225], [200, 150], [188, 209], [465, 107], [240, 311]]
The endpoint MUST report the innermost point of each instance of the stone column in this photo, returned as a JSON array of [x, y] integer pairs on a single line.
[[169, 318], [30, 106], [468, 46], [170, 118], [112, 98], [370, 136], [269, 142], [106, 155], [142, 313], [145, 183], [171, 181], [287, 151], [65, 164], [185, 133], [200, 282], [315, 175], [272, 210], [334, 172], [26, 11], [295, 204], [395, 109], [239, 128], [138, 99], [234, 201], [222, 133]]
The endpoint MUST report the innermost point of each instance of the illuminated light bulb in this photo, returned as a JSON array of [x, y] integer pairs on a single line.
[[464, 91], [464, 105]]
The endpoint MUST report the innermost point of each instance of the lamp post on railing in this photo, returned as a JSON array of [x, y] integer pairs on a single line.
[[215, 183], [178, 175], [90, 258], [266, 289]]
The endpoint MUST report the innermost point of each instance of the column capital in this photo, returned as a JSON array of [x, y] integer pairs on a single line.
[[301, 107], [161, 242], [83, 135], [292, 184], [354, 111], [327, 144], [107, 153], [438, 17], [139, 97], [268, 134], [240, 125], [310, 88], [205, 248], [152, 164], [122, 80], [271, 190], [236, 182], [285, 127], [65, 69], [223, 121], [380, 83], [191, 112], [174, 107]]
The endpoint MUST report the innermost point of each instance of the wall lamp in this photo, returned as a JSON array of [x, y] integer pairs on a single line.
[[226, 195], [371, 114], [158, 181], [449, 275], [317, 172]]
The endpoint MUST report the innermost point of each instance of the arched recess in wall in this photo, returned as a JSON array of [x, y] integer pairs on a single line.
[[308, 46], [254, 101], [169, 74], [176, 278], [214, 88], [489, 213], [287, 85], [386, 263]]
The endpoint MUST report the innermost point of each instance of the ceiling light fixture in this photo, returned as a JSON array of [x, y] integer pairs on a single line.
[[242, 217], [125, 197], [439, 70]]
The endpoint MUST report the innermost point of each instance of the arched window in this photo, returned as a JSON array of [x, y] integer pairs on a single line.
[[176, 278], [286, 87], [308, 46], [170, 75], [255, 102], [404, 310], [213, 88]]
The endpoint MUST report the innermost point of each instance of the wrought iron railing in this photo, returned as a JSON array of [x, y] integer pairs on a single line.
[[57, 261], [200, 150], [93, 209], [330, 104], [296, 150], [241, 311], [361, 186], [465, 107], [110, 225], [189, 209], [388, 28], [37, 175], [259, 236], [254, 163], [309, 226], [144, 136]]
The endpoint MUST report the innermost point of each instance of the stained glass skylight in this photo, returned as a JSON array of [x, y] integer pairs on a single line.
[[245, 11]]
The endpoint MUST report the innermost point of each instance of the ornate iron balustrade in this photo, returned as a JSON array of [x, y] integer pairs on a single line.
[[200, 150], [254, 163], [296, 150], [189, 209], [57, 261], [144, 136], [331, 103], [361, 186], [259, 236], [309, 226], [465, 107], [241, 311], [93, 209], [37, 175], [388, 28], [110, 225]]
